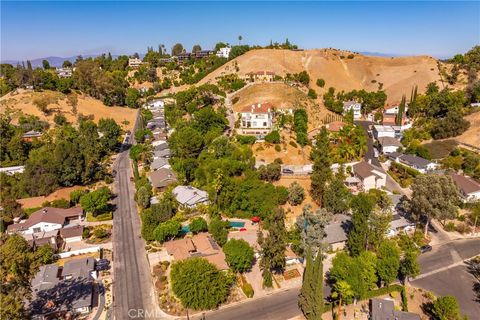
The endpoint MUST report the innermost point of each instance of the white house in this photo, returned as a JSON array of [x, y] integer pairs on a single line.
[[383, 131], [369, 176], [393, 109], [46, 219], [64, 72], [468, 188], [355, 106], [155, 104], [257, 119], [224, 52], [389, 144], [12, 170], [420, 164], [134, 62], [189, 196], [475, 104]]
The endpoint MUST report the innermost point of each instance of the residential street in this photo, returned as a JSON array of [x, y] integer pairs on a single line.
[[445, 258]]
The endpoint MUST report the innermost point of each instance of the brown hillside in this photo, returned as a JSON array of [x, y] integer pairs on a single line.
[[22, 100], [398, 75]]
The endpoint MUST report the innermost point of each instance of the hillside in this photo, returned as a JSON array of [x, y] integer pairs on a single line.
[[398, 75], [22, 100]]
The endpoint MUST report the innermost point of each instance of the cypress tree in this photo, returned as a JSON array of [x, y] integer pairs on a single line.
[[306, 298], [318, 286], [401, 111], [321, 166]]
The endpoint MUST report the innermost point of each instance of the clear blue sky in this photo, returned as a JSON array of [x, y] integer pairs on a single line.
[[38, 29]]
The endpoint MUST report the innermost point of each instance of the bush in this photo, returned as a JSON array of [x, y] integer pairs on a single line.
[[403, 293], [86, 233], [238, 255], [321, 83], [273, 137], [198, 225], [246, 139], [167, 230], [278, 148], [449, 227], [270, 172], [248, 290], [218, 230], [293, 144], [312, 94], [100, 233], [463, 228], [99, 217], [296, 193], [446, 308]]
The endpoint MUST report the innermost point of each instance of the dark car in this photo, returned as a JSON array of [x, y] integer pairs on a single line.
[[102, 264], [287, 171], [425, 248]]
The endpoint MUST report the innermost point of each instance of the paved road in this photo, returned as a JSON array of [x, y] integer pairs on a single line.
[[284, 305], [369, 155]]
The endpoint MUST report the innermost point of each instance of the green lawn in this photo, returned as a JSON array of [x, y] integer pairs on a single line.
[[441, 149], [101, 217]]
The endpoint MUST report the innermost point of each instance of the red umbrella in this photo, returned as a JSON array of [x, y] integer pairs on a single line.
[[255, 219]]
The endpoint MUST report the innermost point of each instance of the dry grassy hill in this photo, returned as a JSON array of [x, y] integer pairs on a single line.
[[22, 101], [398, 75]]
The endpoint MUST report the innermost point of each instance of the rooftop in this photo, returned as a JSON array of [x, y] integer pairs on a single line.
[[364, 169], [162, 177], [190, 196], [466, 184], [414, 160], [47, 214], [258, 108], [379, 128], [389, 141], [384, 309]]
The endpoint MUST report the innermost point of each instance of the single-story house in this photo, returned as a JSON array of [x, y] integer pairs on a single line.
[[420, 164], [389, 144], [30, 135], [336, 231], [200, 245], [162, 178], [57, 291], [371, 177], [399, 224], [47, 219], [468, 188], [384, 309], [190, 197], [159, 145], [291, 257], [166, 153], [355, 106], [383, 131], [153, 104], [159, 163]]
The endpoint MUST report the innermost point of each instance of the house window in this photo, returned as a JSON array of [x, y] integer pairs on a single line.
[[264, 124], [35, 230]]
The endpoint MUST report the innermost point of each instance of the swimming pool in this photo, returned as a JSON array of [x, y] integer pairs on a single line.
[[185, 229], [237, 224]]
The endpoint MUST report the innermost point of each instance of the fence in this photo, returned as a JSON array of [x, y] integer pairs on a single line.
[[78, 252]]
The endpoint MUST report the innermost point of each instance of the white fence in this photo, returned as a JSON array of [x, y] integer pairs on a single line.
[[78, 252]]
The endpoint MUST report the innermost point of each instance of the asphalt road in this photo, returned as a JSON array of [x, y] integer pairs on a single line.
[[284, 305], [132, 288]]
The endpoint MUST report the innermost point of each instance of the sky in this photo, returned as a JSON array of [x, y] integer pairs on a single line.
[[37, 29]]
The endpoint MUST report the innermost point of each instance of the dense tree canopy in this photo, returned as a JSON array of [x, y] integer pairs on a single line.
[[239, 255]]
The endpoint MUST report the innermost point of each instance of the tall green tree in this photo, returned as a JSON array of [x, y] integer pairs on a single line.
[[337, 196], [446, 308], [312, 227], [388, 262], [239, 255], [362, 208], [401, 112], [341, 292], [321, 166], [311, 294]]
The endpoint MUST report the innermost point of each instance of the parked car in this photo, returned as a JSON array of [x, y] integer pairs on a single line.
[[102, 264], [425, 248], [287, 171]]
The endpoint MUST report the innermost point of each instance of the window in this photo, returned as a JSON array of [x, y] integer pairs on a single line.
[[264, 124], [35, 230]]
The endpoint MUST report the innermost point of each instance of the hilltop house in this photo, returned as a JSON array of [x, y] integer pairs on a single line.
[[190, 197], [30, 135], [389, 144], [64, 72], [224, 52], [355, 106], [420, 164], [370, 177], [134, 62], [257, 119], [468, 188], [203, 53], [183, 56], [264, 76]]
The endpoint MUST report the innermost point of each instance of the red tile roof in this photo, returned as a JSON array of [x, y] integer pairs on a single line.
[[258, 108]]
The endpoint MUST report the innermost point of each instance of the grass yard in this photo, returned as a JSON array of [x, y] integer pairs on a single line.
[[441, 148], [101, 217], [402, 174]]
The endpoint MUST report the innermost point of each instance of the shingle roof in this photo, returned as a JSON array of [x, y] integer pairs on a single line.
[[466, 184], [415, 160], [337, 230], [162, 177], [79, 268], [47, 214], [71, 232], [384, 309], [188, 195], [158, 163], [389, 141], [364, 169]]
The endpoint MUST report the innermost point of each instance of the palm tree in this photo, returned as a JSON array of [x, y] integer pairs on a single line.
[[240, 40], [341, 291]]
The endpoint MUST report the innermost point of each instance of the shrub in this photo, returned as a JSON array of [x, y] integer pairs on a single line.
[[167, 230], [218, 230], [293, 144], [270, 172], [246, 139], [100, 233], [350, 56], [321, 83], [86, 233], [198, 225], [278, 148], [248, 290], [239, 255], [403, 293], [463, 228], [296, 193], [273, 137], [312, 94], [449, 227]]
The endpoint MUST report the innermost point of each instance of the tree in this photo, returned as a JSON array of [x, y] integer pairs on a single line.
[[45, 64], [341, 291], [300, 125], [321, 166], [273, 137], [72, 100], [321, 83], [318, 285], [336, 197], [177, 49], [446, 308], [111, 132], [408, 265], [218, 229], [312, 227], [401, 111], [167, 230], [271, 172], [60, 119], [296, 193], [434, 196], [362, 208], [143, 196], [199, 284], [196, 48], [66, 64], [132, 98], [238, 255], [96, 202], [388, 262], [312, 94], [198, 225], [305, 298], [240, 40], [41, 104]]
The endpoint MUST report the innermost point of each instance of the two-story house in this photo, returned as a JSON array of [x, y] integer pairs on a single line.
[[369, 176], [134, 62], [355, 106], [257, 119], [224, 52]]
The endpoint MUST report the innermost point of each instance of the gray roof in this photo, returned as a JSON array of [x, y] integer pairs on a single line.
[[46, 278], [414, 160], [389, 141], [399, 221], [337, 230], [162, 177], [190, 196], [79, 268], [158, 163], [166, 153], [161, 146], [384, 309]]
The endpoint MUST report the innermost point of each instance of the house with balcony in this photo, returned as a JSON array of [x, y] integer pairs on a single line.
[[257, 119]]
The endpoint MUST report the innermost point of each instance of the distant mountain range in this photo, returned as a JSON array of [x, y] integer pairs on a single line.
[[54, 61]]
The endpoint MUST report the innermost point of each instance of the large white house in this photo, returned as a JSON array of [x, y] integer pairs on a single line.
[[383, 131], [389, 144], [46, 220], [257, 119], [418, 163], [12, 170], [224, 52], [190, 197], [369, 176], [355, 106], [134, 62], [468, 188]]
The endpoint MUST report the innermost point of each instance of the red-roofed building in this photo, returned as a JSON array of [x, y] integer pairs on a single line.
[[257, 119]]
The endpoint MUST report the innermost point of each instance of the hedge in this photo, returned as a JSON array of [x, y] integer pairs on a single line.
[[246, 139], [248, 290]]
